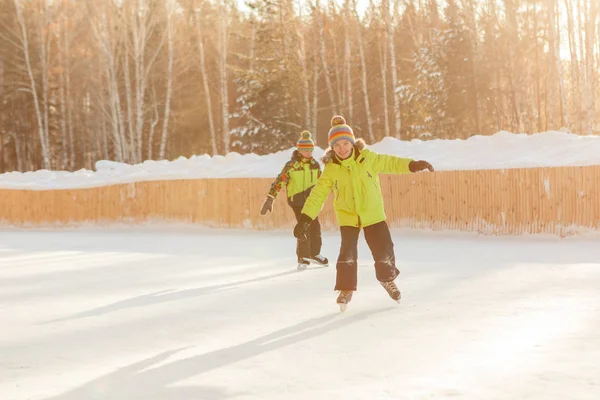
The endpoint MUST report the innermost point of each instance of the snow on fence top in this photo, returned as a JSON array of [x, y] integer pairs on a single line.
[[499, 151]]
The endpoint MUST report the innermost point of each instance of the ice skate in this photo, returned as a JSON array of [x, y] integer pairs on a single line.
[[344, 298], [392, 290], [302, 265], [318, 259]]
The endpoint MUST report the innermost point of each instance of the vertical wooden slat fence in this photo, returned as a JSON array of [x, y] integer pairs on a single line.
[[512, 201]]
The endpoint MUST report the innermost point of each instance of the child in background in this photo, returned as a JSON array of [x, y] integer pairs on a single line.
[[352, 171], [299, 175]]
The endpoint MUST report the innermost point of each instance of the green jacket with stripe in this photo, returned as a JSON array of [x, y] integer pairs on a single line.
[[299, 176]]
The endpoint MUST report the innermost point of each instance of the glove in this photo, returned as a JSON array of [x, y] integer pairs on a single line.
[[301, 228], [420, 165], [267, 205]]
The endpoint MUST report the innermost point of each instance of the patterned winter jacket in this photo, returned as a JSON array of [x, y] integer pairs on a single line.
[[299, 175], [358, 200]]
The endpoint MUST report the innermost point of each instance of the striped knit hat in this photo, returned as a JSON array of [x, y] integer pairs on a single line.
[[339, 130], [305, 142]]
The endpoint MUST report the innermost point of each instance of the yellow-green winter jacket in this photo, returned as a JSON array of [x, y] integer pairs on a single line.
[[357, 200], [299, 176]]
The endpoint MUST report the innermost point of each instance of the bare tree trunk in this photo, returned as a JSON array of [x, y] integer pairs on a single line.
[[45, 40], [207, 97], [564, 107], [347, 58], [590, 38], [116, 116], [67, 49], [223, 35], [129, 101], [333, 48], [315, 104], [552, 63], [103, 31], [511, 27], [153, 123], [323, 55], [105, 139], [365, 82], [383, 46], [62, 100], [18, 149], [583, 73], [305, 77], [474, 60], [167, 112], [396, 95], [139, 31], [574, 64], [33, 86]]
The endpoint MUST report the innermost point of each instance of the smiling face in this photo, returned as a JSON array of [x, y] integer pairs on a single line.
[[343, 148], [305, 154]]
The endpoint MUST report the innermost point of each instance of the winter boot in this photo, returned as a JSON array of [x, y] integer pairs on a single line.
[[392, 290], [344, 298]]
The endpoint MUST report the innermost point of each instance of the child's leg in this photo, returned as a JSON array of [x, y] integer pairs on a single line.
[[380, 243], [347, 266], [302, 247], [315, 238]]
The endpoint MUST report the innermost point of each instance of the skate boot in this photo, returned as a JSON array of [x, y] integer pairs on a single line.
[[392, 290], [344, 298], [318, 259], [302, 264]]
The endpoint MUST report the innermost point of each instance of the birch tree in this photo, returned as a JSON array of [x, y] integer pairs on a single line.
[[364, 80], [169, 9], [347, 58], [24, 45], [389, 23], [323, 54], [205, 78], [223, 85]]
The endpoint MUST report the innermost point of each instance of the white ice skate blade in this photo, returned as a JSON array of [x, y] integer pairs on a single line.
[[343, 307]]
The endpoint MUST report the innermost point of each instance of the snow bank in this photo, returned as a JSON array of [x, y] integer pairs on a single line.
[[501, 150]]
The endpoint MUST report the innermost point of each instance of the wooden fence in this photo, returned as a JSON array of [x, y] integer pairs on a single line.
[[560, 200]]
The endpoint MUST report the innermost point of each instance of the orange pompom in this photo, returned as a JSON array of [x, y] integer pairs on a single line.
[[338, 120]]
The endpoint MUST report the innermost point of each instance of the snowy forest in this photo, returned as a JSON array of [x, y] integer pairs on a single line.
[[133, 80]]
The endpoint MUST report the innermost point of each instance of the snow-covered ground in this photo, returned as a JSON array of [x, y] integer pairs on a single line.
[[501, 150], [181, 314]]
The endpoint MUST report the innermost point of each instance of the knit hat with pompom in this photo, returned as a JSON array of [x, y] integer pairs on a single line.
[[339, 131], [305, 142]]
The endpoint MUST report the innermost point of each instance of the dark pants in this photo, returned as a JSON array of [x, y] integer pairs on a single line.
[[380, 243], [312, 246]]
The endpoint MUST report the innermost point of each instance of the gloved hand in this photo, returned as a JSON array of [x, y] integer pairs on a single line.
[[301, 228], [267, 205], [420, 165]]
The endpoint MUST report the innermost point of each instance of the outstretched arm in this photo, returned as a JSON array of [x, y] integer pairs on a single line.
[[388, 164]]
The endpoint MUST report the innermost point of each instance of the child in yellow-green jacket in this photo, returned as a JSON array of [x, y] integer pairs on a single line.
[[352, 172], [299, 176]]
